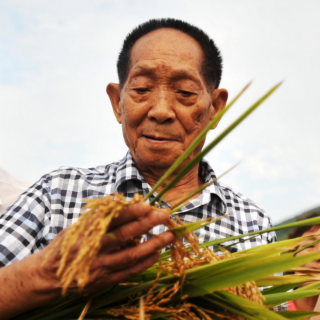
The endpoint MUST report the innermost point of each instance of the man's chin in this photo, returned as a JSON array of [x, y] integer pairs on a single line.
[[161, 158], [160, 162], [155, 160]]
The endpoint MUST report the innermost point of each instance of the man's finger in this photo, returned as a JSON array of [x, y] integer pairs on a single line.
[[119, 236], [120, 276], [133, 212], [128, 257], [123, 275]]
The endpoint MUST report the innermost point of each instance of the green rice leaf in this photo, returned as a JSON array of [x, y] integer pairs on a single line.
[[311, 286], [302, 223], [242, 307], [282, 280], [190, 227], [193, 145], [284, 245], [288, 282], [297, 315], [278, 298], [211, 145], [232, 272], [279, 289]]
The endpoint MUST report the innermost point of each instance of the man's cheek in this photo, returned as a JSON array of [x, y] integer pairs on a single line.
[[133, 114], [195, 121]]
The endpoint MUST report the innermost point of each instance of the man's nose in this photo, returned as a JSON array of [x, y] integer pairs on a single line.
[[161, 109]]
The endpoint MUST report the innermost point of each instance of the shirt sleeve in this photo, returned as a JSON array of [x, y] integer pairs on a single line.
[[22, 224]]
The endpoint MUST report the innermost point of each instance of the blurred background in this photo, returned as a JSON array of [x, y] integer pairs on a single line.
[[56, 58]]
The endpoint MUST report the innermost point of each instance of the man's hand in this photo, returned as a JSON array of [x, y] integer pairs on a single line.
[[28, 284], [114, 265]]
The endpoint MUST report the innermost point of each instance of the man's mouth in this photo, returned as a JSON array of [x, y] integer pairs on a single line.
[[157, 138]]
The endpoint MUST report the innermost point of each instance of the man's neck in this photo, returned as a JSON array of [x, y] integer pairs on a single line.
[[189, 183]]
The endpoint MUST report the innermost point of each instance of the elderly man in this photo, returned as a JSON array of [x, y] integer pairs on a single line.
[[169, 74]]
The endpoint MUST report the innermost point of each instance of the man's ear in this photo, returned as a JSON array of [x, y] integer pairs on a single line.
[[113, 91], [219, 101]]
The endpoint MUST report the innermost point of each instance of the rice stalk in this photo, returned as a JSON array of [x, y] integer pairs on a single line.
[[182, 260], [91, 227], [97, 219], [85, 310]]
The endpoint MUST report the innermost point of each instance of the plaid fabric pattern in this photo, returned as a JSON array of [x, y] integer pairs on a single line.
[[55, 202]]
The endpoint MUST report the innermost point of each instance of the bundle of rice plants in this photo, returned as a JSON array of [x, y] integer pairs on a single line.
[[190, 281]]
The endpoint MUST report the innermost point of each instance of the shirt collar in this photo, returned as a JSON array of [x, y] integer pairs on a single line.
[[128, 171], [207, 174]]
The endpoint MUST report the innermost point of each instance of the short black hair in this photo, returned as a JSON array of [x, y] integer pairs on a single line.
[[212, 63], [299, 231]]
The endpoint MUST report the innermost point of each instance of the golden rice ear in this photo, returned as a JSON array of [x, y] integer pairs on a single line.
[[91, 227], [85, 309]]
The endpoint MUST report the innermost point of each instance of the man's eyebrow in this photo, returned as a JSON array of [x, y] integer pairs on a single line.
[[176, 75], [184, 74], [141, 70]]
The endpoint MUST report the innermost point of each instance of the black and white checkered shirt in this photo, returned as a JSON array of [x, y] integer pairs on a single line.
[[55, 201]]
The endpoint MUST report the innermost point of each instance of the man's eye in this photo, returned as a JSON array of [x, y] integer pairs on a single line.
[[186, 94], [141, 90]]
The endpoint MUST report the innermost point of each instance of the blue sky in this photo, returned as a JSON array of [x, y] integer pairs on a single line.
[[57, 57]]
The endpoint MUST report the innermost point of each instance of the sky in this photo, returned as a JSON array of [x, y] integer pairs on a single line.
[[56, 58]]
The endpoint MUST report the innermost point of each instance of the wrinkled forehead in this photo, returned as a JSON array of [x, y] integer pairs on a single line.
[[167, 48]]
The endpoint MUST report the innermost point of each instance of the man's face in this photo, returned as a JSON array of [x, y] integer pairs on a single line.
[[165, 102]]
